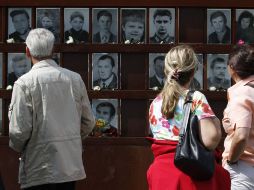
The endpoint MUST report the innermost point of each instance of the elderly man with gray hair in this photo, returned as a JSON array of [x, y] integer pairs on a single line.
[[49, 114]]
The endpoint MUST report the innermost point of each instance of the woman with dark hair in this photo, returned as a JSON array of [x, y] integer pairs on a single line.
[[245, 29], [166, 118], [48, 22], [238, 120]]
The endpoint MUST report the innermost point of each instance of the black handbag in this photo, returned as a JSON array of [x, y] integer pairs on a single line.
[[191, 156]]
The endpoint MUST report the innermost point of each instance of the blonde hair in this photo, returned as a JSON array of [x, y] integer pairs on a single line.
[[180, 64]]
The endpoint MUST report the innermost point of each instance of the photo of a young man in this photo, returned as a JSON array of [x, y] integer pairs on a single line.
[[105, 25], [133, 25], [106, 116], [162, 25], [19, 24]]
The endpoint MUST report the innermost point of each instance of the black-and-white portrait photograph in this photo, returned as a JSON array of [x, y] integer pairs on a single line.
[[245, 27], [18, 64], [133, 25], [19, 24], [1, 70], [76, 25], [56, 58], [106, 115], [49, 18], [197, 82], [105, 25], [105, 70], [218, 26], [161, 25], [218, 77], [156, 70]]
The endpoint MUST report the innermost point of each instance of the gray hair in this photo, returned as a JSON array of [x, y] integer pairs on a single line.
[[40, 42]]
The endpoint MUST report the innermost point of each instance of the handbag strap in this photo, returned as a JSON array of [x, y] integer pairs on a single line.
[[186, 111]]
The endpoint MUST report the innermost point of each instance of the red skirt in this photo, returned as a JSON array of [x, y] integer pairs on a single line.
[[163, 175]]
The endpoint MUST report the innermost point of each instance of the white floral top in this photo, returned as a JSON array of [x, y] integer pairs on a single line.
[[168, 129]]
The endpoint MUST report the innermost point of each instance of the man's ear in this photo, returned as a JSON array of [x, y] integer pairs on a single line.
[[28, 54]]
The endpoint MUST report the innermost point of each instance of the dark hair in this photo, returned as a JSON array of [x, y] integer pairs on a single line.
[[218, 14], [47, 14], [246, 14], [241, 60], [19, 12], [132, 15], [104, 13], [216, 60], [112, 61], [160, 57], [162, 12], [76, 14], [107, 104]]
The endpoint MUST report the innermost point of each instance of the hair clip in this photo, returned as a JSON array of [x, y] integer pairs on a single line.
[[175, 75]]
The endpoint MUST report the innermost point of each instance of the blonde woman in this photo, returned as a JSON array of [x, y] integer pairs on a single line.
[[165, 118]]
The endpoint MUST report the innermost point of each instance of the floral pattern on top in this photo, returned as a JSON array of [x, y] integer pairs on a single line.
[[168, 129]]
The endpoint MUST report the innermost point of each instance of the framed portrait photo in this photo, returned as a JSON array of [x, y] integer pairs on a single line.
[[18, 64], [156, 71], [197, 82], [219, 26], [245, 25], [104, 25], [161, 25], [133, 25], [19, 24], [218, 77], [49, 18], [105, 71], [76, 25], [106, 113]]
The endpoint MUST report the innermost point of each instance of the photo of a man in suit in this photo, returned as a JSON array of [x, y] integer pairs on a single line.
[[107, 78], [157, 65], [104, 22]]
